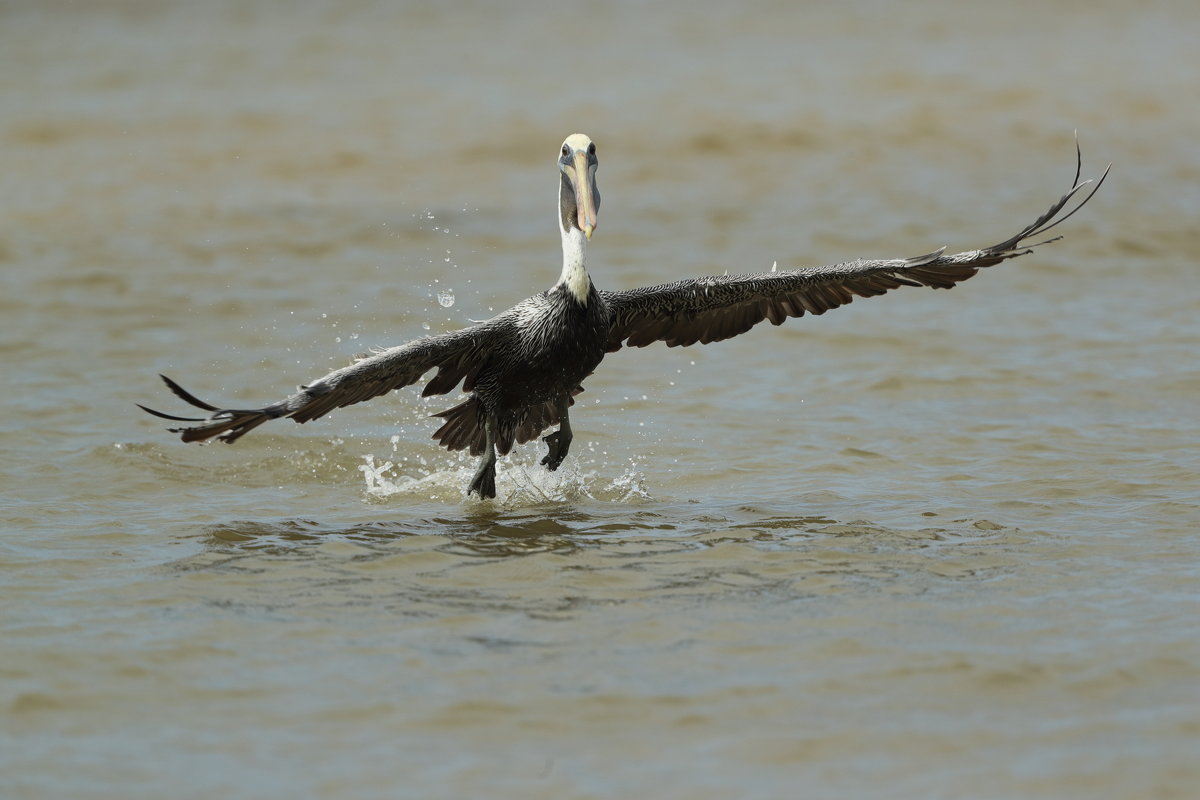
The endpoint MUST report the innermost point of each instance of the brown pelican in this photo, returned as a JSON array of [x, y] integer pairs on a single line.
[[521, 369]]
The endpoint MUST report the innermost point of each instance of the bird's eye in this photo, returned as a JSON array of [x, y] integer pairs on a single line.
[[566, 150], [592, 149]]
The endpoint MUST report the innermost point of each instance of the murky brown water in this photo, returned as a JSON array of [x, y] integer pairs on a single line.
[[931, 545]]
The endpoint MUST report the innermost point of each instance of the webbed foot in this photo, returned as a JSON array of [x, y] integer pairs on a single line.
[[484, 482], [559, 443]]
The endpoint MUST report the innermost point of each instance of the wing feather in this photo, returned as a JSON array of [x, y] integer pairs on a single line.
[[703, 310], [457, 356]]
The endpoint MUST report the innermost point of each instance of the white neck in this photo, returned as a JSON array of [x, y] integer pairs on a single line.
[[574, 274]]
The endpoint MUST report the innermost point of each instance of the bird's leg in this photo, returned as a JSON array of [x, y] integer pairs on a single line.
[[484, 481], [559, 442]]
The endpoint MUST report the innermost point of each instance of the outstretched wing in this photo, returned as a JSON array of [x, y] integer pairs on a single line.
[[458, 356], [711, 309]]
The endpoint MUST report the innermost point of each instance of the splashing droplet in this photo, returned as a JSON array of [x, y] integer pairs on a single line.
[[445, 298]]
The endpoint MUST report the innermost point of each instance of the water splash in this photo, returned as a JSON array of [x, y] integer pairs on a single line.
[[376, 475], [517, 484], [631, 484], [383, 480], [445, 298]]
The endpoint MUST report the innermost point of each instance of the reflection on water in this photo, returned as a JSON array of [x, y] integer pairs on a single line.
[[646, 540]]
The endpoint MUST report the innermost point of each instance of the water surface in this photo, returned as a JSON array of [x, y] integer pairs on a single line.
[[937, 544]]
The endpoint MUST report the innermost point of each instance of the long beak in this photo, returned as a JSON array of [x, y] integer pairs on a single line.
[[584, 195]]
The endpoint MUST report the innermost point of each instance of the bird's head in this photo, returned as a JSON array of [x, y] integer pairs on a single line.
[[579, 199]]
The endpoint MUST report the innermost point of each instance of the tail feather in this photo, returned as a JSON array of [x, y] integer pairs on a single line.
[[463, 428]]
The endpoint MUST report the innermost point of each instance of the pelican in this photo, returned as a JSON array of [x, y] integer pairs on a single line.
[[522, 368]]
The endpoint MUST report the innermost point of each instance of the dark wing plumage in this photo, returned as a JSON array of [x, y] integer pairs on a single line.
[[457, 357], [714, 308]]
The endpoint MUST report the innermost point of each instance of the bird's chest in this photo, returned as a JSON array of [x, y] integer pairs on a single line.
[[560, 343]]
